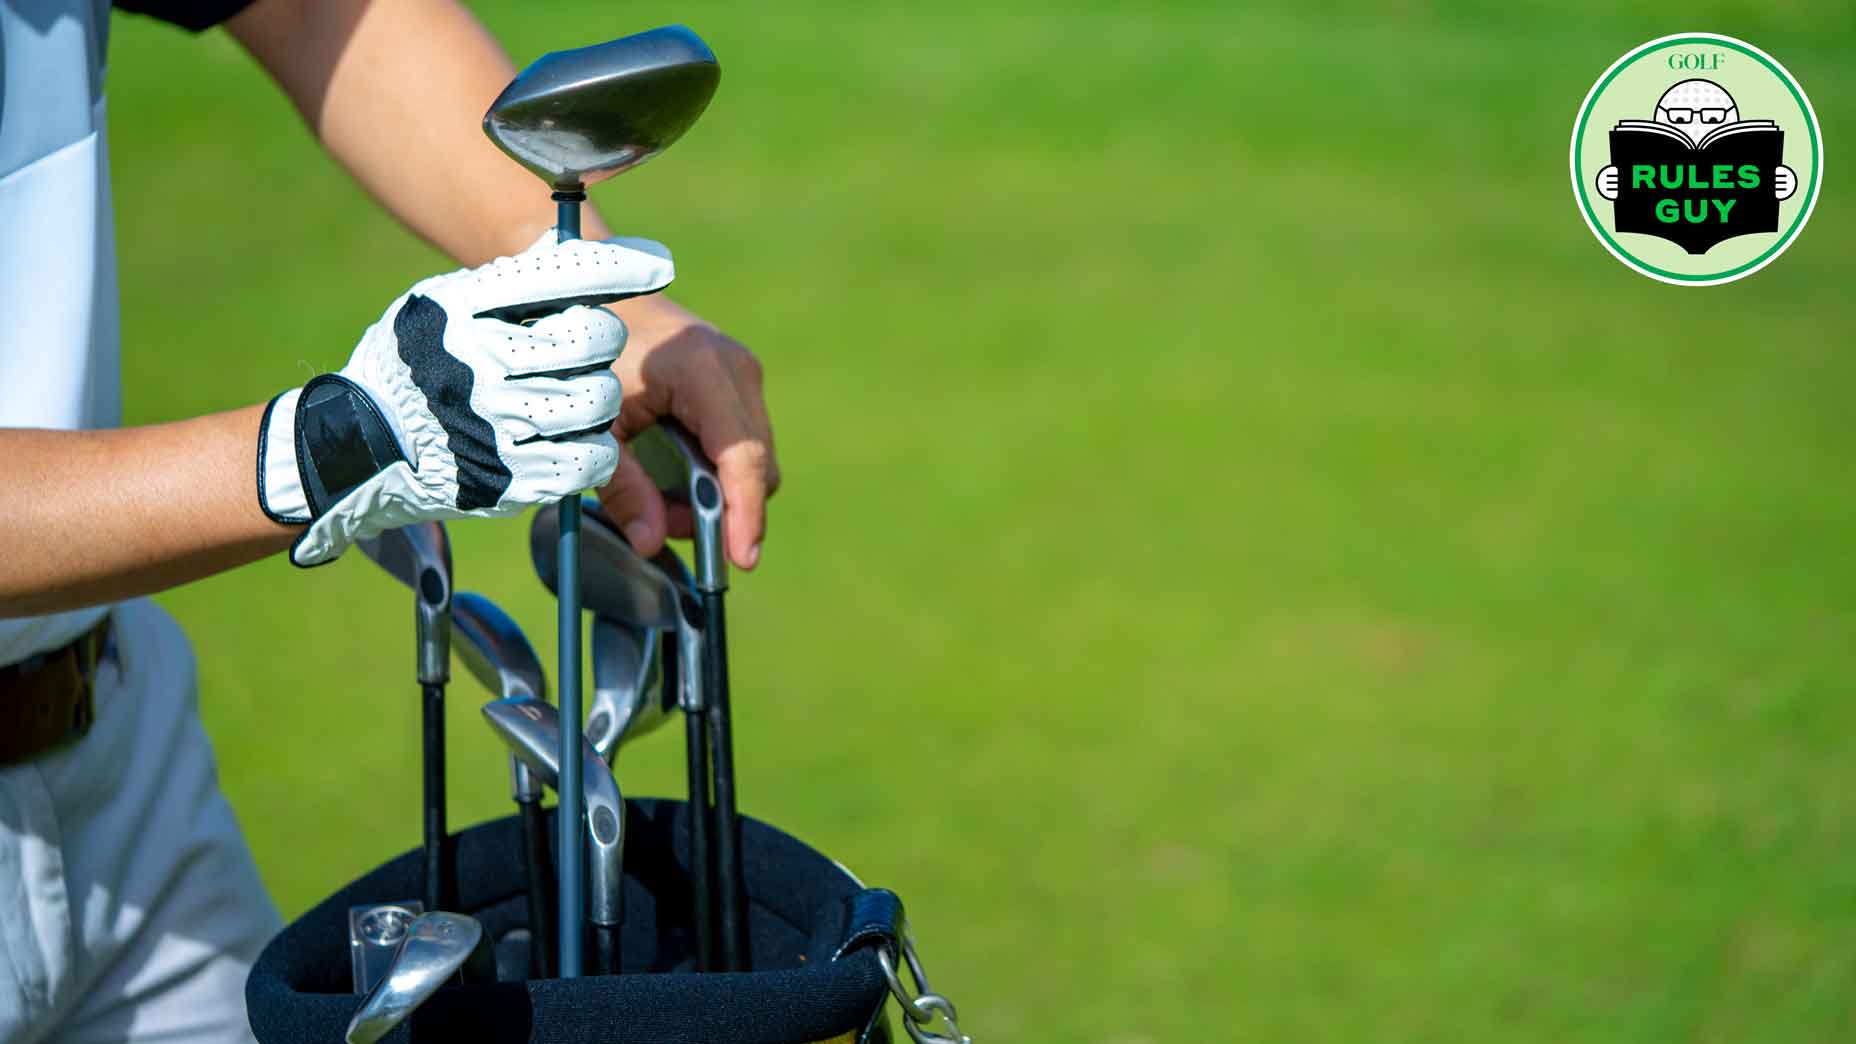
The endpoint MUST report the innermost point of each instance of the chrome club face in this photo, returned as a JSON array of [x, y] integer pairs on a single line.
[[629, 696], [438, 945], [531, 730], [495, 650], [578, 117], [615, 581]]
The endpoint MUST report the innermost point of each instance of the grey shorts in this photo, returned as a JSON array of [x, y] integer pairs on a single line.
[[130, 908]]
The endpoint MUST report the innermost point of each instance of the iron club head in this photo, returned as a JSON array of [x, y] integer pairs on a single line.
[[615, 581], [674, 459], [499, 656], [495, 650], [581, 116], [629, 695], [438, 945], [419, 556], [531, 730]]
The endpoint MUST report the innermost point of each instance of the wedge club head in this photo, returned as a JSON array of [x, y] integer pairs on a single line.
[[581, 116], [438, 945]]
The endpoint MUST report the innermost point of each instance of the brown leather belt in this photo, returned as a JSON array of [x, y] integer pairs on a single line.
[[48, 699]]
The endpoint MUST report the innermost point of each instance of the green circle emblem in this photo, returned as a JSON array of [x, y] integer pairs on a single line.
[[1696, 159]]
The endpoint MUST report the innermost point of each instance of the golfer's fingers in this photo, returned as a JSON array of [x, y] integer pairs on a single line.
[[743, 466], [636, 505], [576, 339], [720, 399]]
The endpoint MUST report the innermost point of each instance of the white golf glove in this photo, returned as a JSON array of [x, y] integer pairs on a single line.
[[456, 404]]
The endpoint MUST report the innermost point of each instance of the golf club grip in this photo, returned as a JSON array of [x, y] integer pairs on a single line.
[[437, 859], [702, 869], [540, 912], [732, 884]]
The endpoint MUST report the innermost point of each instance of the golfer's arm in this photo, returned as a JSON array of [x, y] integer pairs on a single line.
[[396, 90], [89, 517]]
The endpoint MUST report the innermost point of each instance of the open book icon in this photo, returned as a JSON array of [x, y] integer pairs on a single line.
[[1725, 129], [1697, 194]]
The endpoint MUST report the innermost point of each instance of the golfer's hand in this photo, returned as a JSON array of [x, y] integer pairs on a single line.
[[479, 393], [677, 365]]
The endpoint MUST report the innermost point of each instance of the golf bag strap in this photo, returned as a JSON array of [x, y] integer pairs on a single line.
[[872, 916]]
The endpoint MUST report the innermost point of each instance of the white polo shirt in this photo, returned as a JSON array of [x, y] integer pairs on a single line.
[[59, 363], [59, 330]]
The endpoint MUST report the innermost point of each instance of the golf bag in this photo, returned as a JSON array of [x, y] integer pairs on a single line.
[[825, 951]]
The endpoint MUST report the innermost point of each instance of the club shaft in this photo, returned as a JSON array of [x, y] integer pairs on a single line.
[[731, 880], [437, 839], [537, 865], [606, 949], [569, 862], [702, 869]]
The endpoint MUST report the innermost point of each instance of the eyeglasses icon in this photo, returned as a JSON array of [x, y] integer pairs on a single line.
[[1688, 115]]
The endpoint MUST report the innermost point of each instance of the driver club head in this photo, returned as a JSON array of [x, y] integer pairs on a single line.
[[438, 945], [630, 698], [581, 116], [419, 556]]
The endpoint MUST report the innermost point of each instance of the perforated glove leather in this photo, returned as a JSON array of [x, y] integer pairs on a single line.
[[479, 393]]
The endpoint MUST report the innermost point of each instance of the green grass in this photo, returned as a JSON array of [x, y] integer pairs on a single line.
[[1252, 566]]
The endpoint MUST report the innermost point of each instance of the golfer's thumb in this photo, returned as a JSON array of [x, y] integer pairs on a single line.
[[632, 501]]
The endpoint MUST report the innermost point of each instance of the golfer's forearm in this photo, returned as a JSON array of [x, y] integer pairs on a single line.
[[88, 517], [396, 90]]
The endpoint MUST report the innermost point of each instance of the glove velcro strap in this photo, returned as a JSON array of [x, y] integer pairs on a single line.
[[342, 440]]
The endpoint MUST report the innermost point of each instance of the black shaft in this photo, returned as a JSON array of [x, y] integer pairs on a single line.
[[540, 872], [731, 876], [438, 890], [702, 869]]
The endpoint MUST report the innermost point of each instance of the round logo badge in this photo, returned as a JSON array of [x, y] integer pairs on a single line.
[[1696, 159]]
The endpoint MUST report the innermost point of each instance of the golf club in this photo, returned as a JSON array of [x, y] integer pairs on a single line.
[[676, 462], [499, 656], [419, 556], [627, 588], [629, 695], [438, 946], [532, 729], [375, 931], [575, 118]]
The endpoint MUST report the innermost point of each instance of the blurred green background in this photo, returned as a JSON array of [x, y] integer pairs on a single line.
[[1252, 566]]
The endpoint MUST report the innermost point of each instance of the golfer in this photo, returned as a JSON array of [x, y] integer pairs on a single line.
[[130, 907]]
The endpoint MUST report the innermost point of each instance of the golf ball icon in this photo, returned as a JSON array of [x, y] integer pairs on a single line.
[[1696, 108]]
